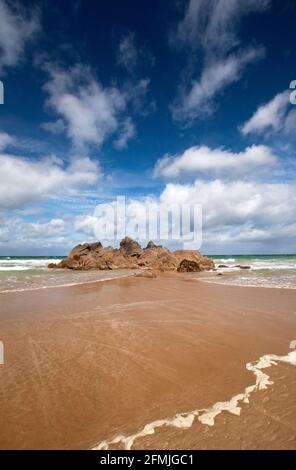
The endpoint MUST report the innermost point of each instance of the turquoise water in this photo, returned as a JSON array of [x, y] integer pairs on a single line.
[[27, 273]]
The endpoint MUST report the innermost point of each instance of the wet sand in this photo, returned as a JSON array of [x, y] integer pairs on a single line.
[[87, 363]]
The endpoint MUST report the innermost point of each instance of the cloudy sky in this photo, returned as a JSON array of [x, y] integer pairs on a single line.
[[182, 101]]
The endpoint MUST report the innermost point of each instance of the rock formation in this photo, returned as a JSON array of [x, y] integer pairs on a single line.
[[130, 255], [187, 266]]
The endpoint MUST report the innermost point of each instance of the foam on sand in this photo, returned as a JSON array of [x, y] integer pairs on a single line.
[[207, 416]]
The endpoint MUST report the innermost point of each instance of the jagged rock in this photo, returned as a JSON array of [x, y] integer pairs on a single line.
[[241, 266], [130, 255], [188, 266], [85, 249], [222, 266], [152, 245], [130, 247]]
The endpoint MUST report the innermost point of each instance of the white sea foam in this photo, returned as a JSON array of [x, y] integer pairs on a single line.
[[207, 416], [13, 264], [225, 260], [272, 264], [254, 281]]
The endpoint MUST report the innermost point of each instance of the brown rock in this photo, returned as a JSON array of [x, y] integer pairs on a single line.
[[52, 265], [130, 255], [130, 247], [151, 245], [188, 266]]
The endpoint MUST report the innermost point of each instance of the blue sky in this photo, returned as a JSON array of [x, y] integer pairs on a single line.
[[167, 102]]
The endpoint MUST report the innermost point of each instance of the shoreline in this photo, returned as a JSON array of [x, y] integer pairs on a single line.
[[88, 362], [29, 289], [127, 273]]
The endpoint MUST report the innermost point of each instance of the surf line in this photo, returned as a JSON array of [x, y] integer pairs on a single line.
[[208, 415]]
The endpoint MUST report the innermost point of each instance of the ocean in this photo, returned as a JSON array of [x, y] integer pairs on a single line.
[[27, 273], [30, 273], [265, 271]]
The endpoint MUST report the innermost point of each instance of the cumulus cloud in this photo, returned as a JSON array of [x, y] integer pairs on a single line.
[[274, 116], [199, 100], [52, 228], [239, 210], [23, 181], [210, 27], [89, 111], [203, 160], [17, 235], [235, 213], [236, 202], [18, 27]]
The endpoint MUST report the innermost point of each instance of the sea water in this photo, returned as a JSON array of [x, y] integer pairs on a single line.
[[30, 273], [265, 270]]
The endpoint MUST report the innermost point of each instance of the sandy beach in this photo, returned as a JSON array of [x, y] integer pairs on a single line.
[[88, 363]]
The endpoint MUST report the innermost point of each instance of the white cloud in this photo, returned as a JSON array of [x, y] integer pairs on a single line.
[[212, 24], [56, 127], [275, 116], [5, 140], [210, 27], [86, 224], [132, 56], [127, 131], [127, 55], [137, 93], [240, 211], [199, 100], [45, 235], [48, 229], [205, 161], [88, 112], [236, 214], [23, 181], [18, 27]]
